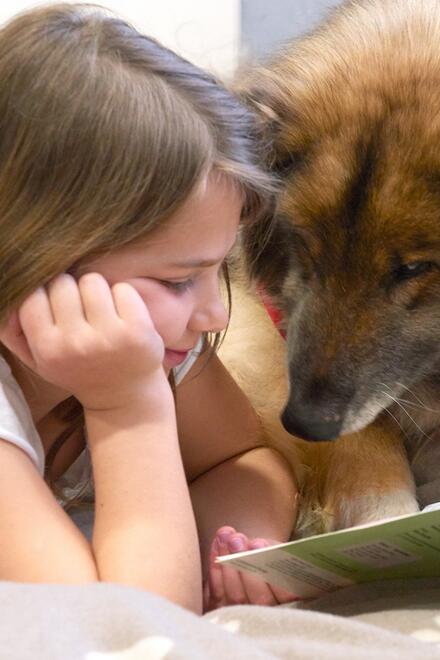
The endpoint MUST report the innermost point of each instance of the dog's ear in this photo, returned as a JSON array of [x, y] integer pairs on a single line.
[[274, 107], [279, 134], [266, 250]]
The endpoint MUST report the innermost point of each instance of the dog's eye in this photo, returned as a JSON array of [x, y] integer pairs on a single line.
[[412, 269]]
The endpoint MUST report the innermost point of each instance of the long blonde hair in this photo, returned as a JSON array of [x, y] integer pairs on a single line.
[[103, 133]]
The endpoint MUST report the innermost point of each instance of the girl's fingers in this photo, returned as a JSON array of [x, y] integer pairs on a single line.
[[283, 596], [214, 593], [235, 592], [35, 312], [270, 595], [207, 604], [65, 301], [36, 319], [228, 586], [215, 588], [130, 306], [258, 592], [97, 300], [13, 337]]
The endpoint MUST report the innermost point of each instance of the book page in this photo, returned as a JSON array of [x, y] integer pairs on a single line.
[[408, 546]]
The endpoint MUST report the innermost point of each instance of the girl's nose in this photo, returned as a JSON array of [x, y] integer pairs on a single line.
[[219, 317], [211, 315]]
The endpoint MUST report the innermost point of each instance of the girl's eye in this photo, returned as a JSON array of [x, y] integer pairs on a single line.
[[179, 287]]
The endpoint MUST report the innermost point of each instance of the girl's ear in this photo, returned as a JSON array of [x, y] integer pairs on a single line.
[[13, 337]]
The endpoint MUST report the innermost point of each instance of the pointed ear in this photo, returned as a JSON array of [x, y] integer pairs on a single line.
[[259, 95], [264, 106], [273, 104]]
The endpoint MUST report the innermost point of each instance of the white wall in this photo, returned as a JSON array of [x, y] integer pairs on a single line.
[[206, 32]]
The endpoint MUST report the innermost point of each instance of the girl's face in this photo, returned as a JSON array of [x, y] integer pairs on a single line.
[[176, 269]]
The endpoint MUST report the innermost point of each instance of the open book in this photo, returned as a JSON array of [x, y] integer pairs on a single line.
[[408, 546]]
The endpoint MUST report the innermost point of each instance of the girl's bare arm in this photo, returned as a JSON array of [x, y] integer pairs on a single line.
[[235, 479], [143, 514], [39, 542], [99, 344], [144, 533]]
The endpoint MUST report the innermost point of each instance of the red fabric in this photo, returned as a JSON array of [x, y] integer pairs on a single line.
[[274, 313]]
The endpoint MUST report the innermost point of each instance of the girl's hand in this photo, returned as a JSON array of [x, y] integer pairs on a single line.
[[94, 341], [226, 585]]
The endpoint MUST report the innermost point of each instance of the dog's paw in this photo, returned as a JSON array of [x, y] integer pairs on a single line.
[[368, 508]]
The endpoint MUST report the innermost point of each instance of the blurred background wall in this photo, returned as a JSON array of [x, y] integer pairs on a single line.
[[265, 24], [212, 33]]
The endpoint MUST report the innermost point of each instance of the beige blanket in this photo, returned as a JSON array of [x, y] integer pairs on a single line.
[[109, 622]]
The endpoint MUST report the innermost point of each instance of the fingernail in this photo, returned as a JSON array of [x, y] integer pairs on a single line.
[[236, 544]]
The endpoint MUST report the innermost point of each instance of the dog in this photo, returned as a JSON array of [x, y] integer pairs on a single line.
[[349, 122]]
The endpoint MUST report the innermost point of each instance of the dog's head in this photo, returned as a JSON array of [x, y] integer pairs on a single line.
[[352, 256]]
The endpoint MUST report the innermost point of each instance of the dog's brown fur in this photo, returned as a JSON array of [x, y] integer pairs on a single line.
[[351, 116]]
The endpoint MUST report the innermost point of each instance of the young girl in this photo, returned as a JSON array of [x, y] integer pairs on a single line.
[[124, 172]]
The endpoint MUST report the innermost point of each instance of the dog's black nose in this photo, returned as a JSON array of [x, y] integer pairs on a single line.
[[310, 427]]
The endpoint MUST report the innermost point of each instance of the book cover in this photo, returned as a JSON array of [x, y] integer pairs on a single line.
[[408, 546]]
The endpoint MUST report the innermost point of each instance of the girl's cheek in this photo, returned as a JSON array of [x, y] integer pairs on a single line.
[[162, 304], [168, 310]]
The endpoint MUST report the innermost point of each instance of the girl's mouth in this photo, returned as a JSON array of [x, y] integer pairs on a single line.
[[174, 358]]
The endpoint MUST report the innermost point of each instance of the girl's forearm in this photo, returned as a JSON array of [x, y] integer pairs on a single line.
[[254, 492], [144, 533]]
